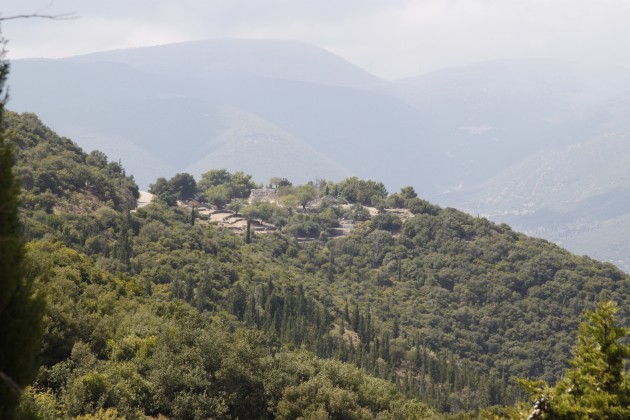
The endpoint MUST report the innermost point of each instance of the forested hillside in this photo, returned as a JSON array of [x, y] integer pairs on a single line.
[[56, 175], [358, 303]]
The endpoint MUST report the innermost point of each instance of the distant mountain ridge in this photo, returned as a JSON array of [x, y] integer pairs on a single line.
[[235, 58]]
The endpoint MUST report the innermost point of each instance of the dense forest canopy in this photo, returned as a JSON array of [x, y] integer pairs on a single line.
[[337, 299]]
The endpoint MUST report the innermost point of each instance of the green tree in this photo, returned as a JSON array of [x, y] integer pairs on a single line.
[[241, 185], [408, 193], [180, 187], [237, 205], [238, 184], [277, 182], [123, 249], [21, 308], [355, 190], [359, 213], [258, 210], [305, 194], [183, 186], [218, 195], [290, 202], [597, 384], [163, 189], [213, 178]]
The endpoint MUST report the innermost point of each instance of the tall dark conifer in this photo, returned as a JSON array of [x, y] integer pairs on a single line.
[[123, 248], [21, 308]]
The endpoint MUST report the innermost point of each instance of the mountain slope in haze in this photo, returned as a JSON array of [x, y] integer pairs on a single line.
[[158, 126], [576, 194], [113, 108], [494, 114], [265, 150], [171, 120], [368, 133], [165, 134]]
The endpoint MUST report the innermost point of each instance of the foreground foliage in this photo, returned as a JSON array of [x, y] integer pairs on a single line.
[[108, 345], [597, 385]]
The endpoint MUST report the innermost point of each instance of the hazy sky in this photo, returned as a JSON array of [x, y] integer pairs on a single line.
[[390, 38]]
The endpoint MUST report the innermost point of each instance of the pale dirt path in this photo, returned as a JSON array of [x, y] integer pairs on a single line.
[[145, 198]]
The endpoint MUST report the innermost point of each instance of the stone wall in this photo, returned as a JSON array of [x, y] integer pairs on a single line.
[[266, 194]]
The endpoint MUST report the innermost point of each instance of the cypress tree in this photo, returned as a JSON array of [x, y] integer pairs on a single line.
[[369, 325], [396, 328], [418, 357], [21, 306], [250, 314], [385, 346], [331, 268], [356, 317], [122, 249]]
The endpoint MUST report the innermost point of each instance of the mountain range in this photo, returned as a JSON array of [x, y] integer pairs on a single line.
[[575, 192], [540, 144]]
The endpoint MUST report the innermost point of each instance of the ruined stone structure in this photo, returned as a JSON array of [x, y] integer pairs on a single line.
[[266, 194]]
